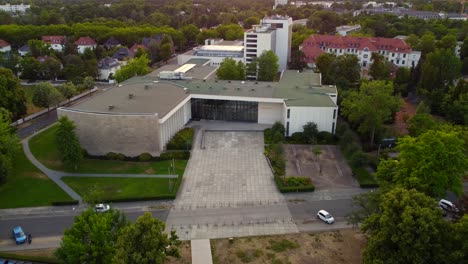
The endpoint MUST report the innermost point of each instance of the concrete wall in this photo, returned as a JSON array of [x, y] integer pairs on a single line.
[[174, 122], [269, 113], [130, 135], [322, 116]]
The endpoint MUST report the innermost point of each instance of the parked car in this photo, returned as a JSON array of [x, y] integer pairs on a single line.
[[18, 234], [447, 206], [325, 216], [101, 208]]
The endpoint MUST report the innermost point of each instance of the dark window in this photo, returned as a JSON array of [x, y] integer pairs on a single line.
[[289, 112], [334, 114], [333, 128], [287, 129], [251, 50], [251, 45], [224, 110], [277, 25], [251, 36], [251, 41]]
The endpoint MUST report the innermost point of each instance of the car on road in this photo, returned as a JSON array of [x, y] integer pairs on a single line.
[[18, 234], [447, 206], [101, 208], [325, 216]]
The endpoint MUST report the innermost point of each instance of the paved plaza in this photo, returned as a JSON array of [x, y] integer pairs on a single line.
[[230, 171]]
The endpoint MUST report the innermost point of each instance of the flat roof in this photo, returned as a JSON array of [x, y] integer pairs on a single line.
[[185, 68], [220, 48], [198, 72], [198, 62]]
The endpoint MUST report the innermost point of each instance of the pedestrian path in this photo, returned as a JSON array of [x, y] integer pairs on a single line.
[[201, 251], [37, 243]]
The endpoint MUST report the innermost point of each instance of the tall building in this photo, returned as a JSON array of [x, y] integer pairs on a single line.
[[274, 33]]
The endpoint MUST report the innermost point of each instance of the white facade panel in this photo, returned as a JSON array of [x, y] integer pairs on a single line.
[[171, 126], [324, 117], [269, 113], [187, 111]]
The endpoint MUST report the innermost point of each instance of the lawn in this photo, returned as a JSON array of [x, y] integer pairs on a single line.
[[28, 187], [31, 108], [123, 188], [44, 149]]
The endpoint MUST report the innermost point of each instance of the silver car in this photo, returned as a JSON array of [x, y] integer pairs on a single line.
[[325, 216], [101, 208]]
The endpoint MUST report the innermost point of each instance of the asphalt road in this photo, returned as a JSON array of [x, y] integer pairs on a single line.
[[37, 124], [307, 210], [45, 226]]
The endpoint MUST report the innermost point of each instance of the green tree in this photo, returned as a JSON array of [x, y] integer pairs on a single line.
[[310, 132], [297, 60], [455, 103], [408, 228], [439, 71], [158, 19], [324, 62], [433, 163], [324, 21], [51, 68], [68, 144], [68, 90], [145, 242], [88, 83], [137, 66], [230, 70], [190, 32], [165, 52], [12, 97], [420, 123], [39, 48], [45, 95], [380, 68], [252, 69], [250, 21], [447, 42], [427, 43], [92, 237], [345, 71], [267, 66], [9, 145], [371, 107], [401, 81], [30, 68]]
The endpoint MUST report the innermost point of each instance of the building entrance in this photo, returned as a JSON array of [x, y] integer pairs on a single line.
[[224, 110]]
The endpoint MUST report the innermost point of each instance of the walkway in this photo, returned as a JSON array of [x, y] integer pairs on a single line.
[[201, 251], [56, 176]]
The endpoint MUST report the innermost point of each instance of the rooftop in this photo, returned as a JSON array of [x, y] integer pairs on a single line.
[[197, 72], [220, 48]]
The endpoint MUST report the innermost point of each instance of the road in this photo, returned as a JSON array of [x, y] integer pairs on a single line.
[[47, 225]]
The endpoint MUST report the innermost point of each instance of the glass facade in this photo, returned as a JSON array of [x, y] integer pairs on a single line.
[[224, 110]]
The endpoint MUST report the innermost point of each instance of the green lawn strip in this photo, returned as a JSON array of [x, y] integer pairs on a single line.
[[44, 149], [27, 186], [123, 188], [28, 92]]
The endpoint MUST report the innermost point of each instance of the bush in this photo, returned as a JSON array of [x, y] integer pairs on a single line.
[[359, 159], [120, 156], [297, 138], [111, 155], [274, 154], [286, 189], [275, 134], [136, 199], [178, 155], [145, 157], [182, 140], [365, 179], [294, 181], [325, 137], [60, 203]]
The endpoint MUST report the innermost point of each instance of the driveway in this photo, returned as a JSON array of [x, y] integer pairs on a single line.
[[328, 171], [230, 171]]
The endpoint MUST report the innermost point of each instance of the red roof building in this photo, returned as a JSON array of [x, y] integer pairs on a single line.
[[396, 51], [85, 41], [4, 44], [54, 40]]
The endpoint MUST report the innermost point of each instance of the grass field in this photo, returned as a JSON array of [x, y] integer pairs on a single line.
[[44, 149], [122, 188], [27, 186], [31, 108]]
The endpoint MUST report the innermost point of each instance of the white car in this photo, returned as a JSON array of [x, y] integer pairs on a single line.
[[447, 206], [325, 216], [101, 208]]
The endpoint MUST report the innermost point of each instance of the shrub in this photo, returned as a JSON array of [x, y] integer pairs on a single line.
[[111, 155], [359, 159], [145, 157], [286, 189], [325, 137], [294, 181], [274, 153], [120, 156], [182, 140], [19, 256], [178, 155], [297, 138], [275, 134]]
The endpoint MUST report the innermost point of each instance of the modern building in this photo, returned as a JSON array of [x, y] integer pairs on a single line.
[[281, 2], [143, 113], [4, 46], [84, 43], [274, 33], [21, 8], [397, 51], [345, 30], [56, 42], [215, 53]]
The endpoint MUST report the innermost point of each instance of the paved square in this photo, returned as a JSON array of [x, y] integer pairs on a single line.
[[230, 172]]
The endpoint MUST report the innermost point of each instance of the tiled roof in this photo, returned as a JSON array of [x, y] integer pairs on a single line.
[[85, 41], [112, 42], [108, 63], [123, 53], [3, 43], [24, 48], [313, 44], [135, 47], [54, 39]]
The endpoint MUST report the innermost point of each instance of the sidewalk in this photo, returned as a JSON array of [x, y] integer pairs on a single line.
[[37, 243]]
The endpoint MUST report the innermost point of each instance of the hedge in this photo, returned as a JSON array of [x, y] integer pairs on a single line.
[[178, 155], [59, 203], [40, 259], [182, 140], [137, 199], [286, 189], [144, 157]]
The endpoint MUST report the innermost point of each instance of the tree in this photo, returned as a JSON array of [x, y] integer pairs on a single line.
[[267, 66], [92, 237], [12, 97], [68, 144], [371, 107], [345, 71], [439, 71], [136, 66], [297, 60], [310, 132], [39, 48], [420, 123], [323, 63], [9, 145], [230, 70], [88, 83], [145, 242], [400, 83], [165, 52], [51, 68], [408, 228], [190, 32], [30, 68], [427, 43], [45, 95], [68, 90], [447, 42], [324, 21], [251, 70], [433, 163], [250, 21], [380, 68], [455, 103]]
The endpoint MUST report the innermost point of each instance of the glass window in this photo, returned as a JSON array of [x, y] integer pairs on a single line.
[[287, 129], [289, 113], [334, 114]]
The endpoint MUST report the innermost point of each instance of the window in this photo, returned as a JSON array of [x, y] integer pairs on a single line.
[[251, 36], [333, 128], [277, 25], [287, 129], [364, 64], [404, 55], [251, 45], [365, 56], [397, 61], [403, 62], [393, 54], [251, 41], [289, 113], [334, 114]]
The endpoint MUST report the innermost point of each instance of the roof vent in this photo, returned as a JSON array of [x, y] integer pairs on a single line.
[[111, 107], [147, 86], [204, 80], [198, 86], [210, 87], [186, 90], [216, 80], [252, 90], [297, 86], [256, 82], [229, 81], [268, 85], [238, 88], [243, 82], [130, 96]]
